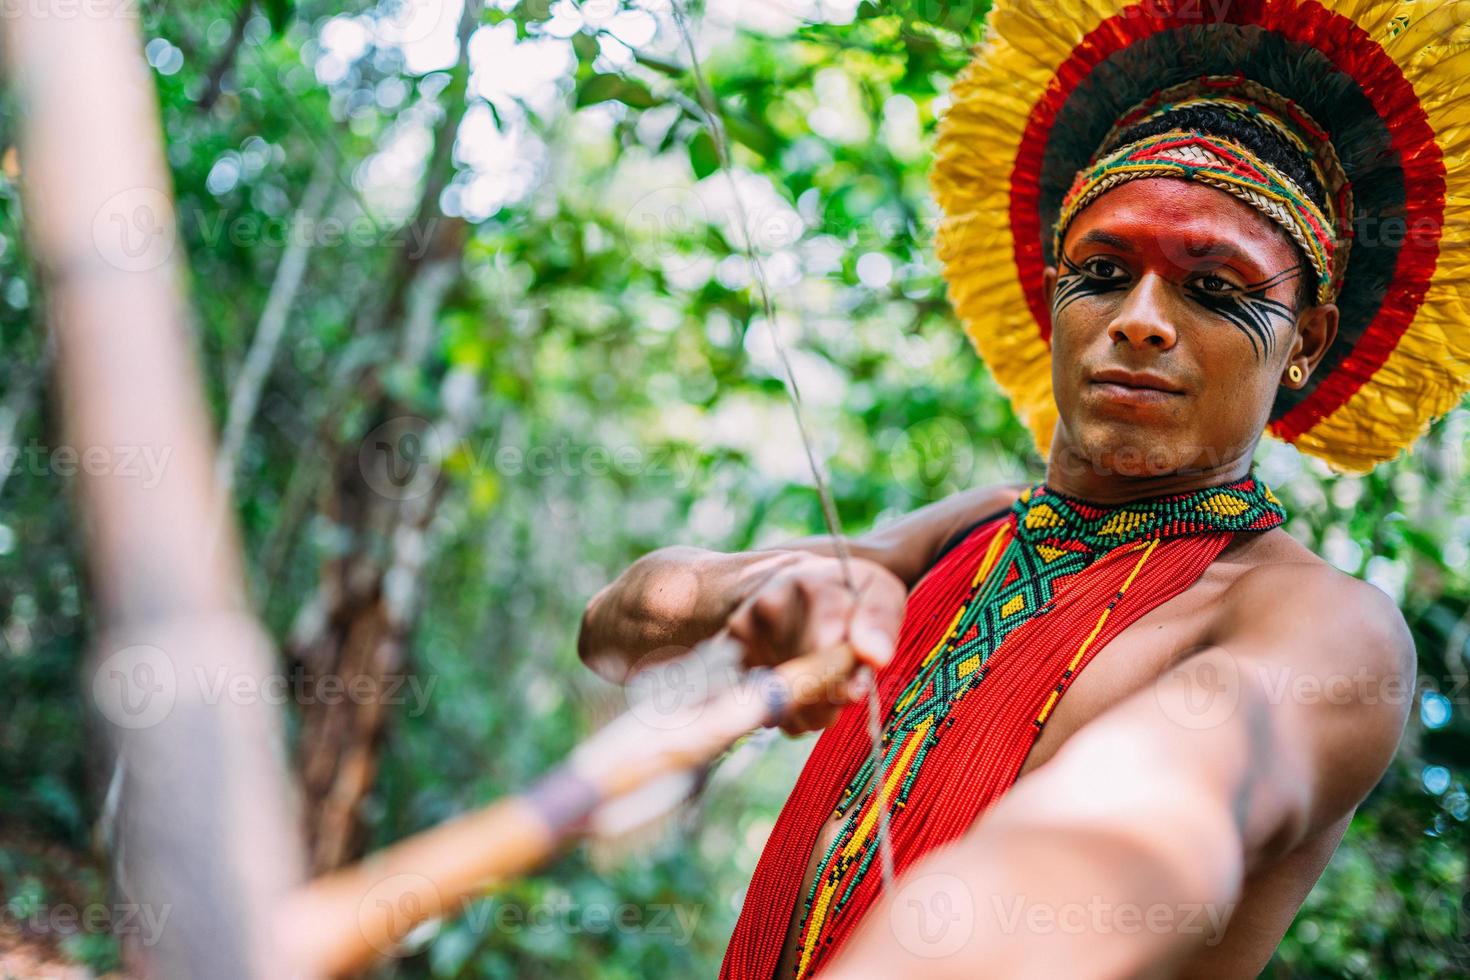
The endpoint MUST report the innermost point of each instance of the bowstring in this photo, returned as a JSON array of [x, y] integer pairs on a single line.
[[864, 674]]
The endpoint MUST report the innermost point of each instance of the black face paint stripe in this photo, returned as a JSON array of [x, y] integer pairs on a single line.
[[1076, 283], [1249, 311]]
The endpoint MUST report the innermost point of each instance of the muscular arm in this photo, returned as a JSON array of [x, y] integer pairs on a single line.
[[675, 597], [1139, 832]]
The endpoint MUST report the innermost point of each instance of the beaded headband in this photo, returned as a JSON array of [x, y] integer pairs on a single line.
[[1221, 163]]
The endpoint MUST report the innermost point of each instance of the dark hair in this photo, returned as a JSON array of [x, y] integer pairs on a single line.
[[1265, 143]]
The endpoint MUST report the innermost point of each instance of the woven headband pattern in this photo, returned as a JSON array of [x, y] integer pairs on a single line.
[[1221, 163], [1247, 99]]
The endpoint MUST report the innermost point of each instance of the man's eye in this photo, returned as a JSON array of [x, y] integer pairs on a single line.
[[1214, 285], [1101, 269]]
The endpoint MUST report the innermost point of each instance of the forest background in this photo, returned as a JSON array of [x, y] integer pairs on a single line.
[[494, 243]]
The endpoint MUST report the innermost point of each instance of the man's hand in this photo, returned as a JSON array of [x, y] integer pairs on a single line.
[[804, 619], [671, 599]]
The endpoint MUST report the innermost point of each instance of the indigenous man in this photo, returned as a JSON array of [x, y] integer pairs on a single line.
[[1168, 228]]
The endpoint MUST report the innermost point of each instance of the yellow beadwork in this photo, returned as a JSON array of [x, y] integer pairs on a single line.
[[1042, 516], [1225, 505], [1125, 522], [1048, 553]]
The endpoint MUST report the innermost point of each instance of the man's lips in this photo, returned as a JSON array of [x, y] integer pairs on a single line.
[[1134, 387]]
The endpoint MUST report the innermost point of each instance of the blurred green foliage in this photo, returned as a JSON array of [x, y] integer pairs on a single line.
[[627, 397]]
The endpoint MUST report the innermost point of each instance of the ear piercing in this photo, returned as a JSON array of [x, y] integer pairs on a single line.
[[1295, 374]]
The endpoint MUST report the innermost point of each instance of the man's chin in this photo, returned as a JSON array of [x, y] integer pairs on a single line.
[[1138, 451]]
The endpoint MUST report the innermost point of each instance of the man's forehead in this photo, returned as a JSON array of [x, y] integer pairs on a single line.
[[1191, 223], [1177, 242]]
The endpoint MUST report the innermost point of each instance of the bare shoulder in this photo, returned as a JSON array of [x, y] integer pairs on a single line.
[[1286, 590], [908, 545], [1332, 657]]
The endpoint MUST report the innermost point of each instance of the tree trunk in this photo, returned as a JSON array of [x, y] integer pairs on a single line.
[[383, 493]]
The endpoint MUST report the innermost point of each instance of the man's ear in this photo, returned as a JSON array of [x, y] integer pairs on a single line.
[[1316, 329], [1049, 283]]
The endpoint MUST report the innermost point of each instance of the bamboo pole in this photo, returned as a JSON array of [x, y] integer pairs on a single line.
[[180, 671]]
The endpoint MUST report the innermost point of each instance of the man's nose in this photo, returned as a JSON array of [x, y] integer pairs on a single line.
[[1142, 320]]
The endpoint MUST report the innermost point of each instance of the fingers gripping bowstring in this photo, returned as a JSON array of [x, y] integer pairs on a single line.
[[713, 124]]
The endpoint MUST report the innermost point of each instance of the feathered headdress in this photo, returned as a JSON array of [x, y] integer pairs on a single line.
[[1372, 92]]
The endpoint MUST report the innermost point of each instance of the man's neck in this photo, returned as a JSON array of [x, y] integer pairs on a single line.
[[1073, 474]]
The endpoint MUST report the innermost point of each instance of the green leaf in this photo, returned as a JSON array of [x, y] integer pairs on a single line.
[[670, 68], [614, 88], [278, 12], [585, 45], [757, 137], [702, 154], [1424, 544]]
